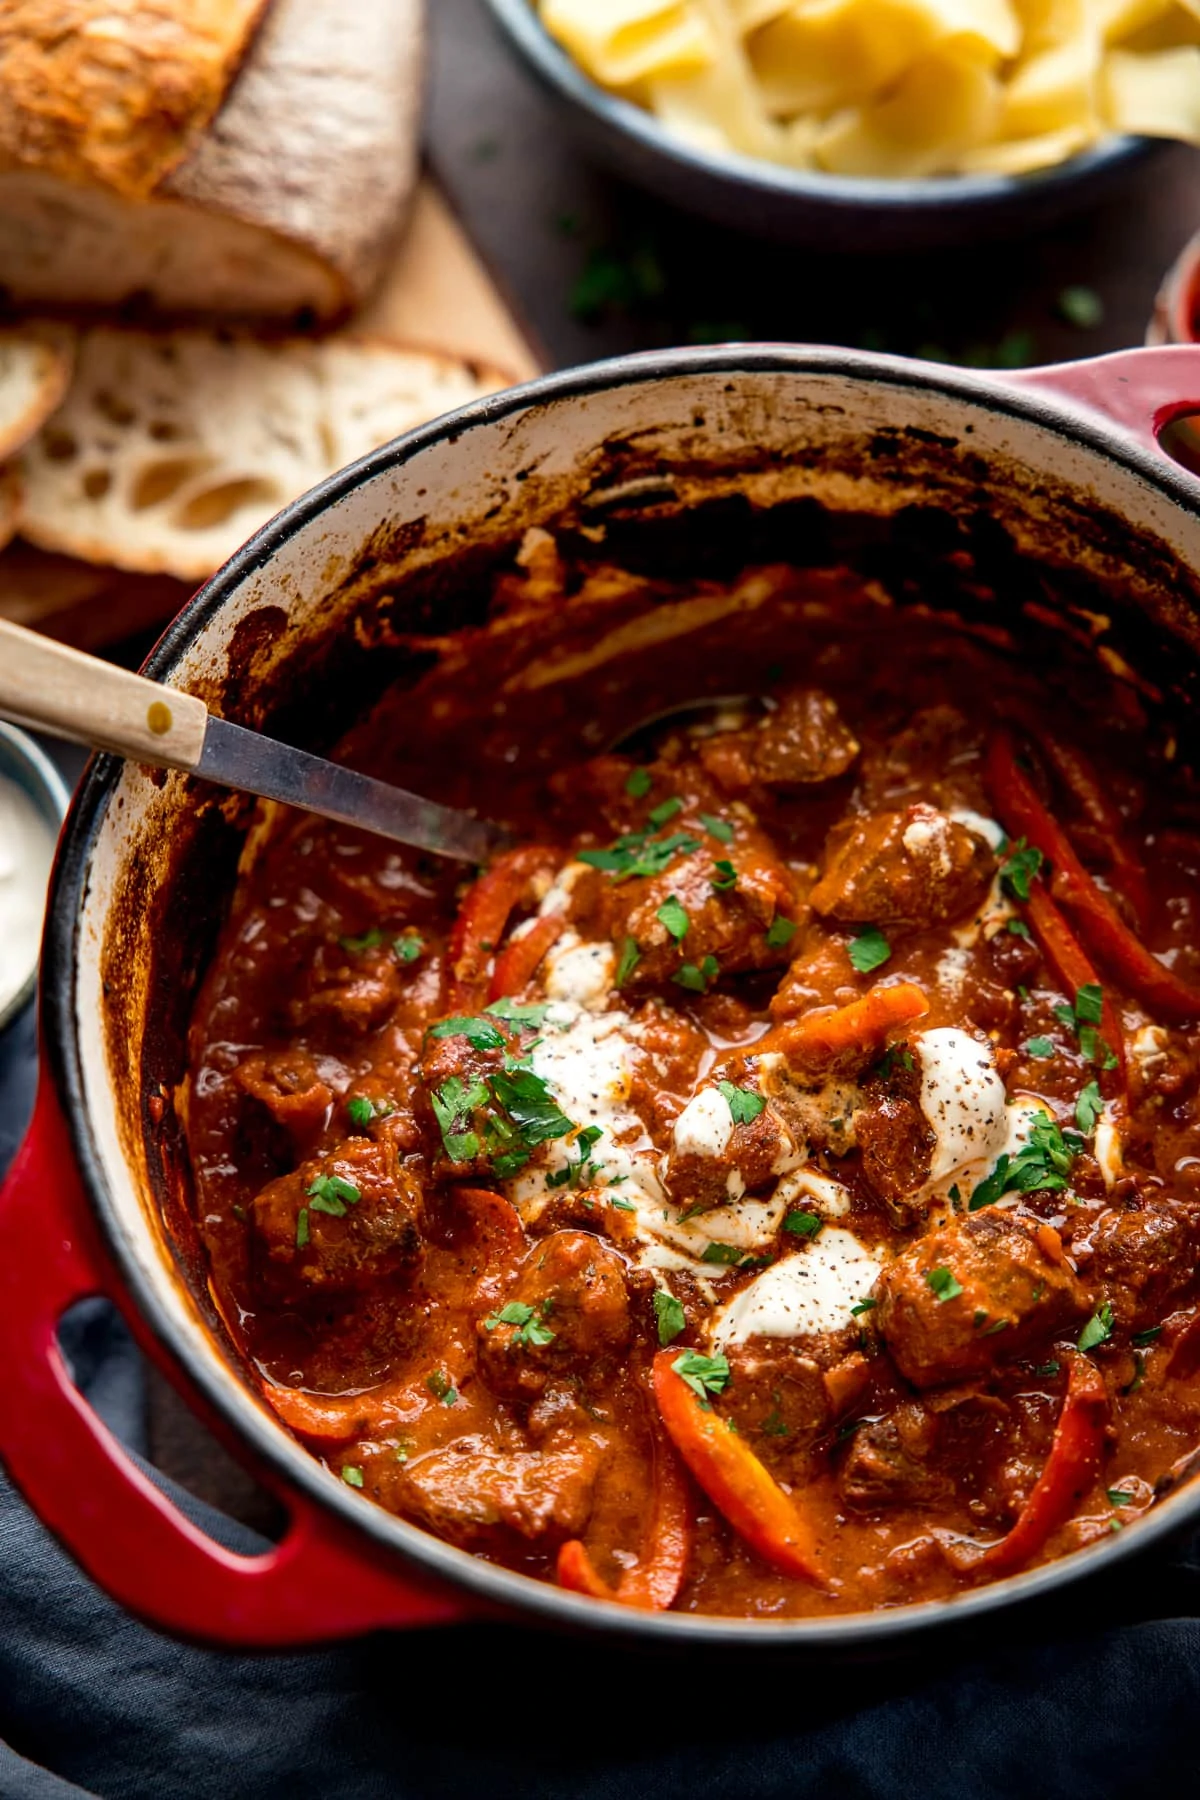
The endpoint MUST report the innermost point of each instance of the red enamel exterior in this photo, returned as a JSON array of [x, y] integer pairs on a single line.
[[319, 1582]]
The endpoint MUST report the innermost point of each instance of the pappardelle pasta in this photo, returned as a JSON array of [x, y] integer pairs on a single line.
[[896, 87]]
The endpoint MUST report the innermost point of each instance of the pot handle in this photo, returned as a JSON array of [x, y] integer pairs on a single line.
[[319, 1582], [1139, 390]]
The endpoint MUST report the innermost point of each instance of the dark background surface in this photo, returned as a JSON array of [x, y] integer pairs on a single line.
[[559, 233]]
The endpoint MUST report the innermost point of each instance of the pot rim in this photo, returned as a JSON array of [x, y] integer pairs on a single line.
[[268, 1440]]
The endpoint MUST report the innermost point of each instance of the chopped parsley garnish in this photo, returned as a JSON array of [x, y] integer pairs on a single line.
[[636, 853], [897, 1056], [1089, 1003], [1019, 868], [743, 1103], [803, 1224], [479, 1032], [704, 1374], [942, 1284], [697, 980], [724, 876], [1094, 1049], [631, 956], [370, 940], [453, 1104], [1040, 1047], [639, 784], [528, 1016], [862, 1306], [408, 947], [530, 1330], [530, 1105], [674, 916], [1047, 1368], [1118, 1497], [1018, 927], [721, 829], [1148, 1336], [1081, 307], [351, 1476], [622, 1205], [1042, 1165], [775, 1425], [722, 1253], [577, 1174], [1098, 1329], [659, 815], [781, 932], [441, 1388], [331, 1194], [668, 1316], [302, 1228], [361, 1110], [1088, 1108], [1139, 1374], [869, 950]]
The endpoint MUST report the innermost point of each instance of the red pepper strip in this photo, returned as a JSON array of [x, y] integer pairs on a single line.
[[821, 1037], [332, 1420], [658, 1576], [490, 1221], [733, 1478], [1069, 1472], [518, 962], [1022, 813], [1077, 774], [1071, 967], [482, 918]]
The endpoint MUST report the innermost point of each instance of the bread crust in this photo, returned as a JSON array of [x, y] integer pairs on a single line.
[[319, 138], [113, 93], [264, 172]]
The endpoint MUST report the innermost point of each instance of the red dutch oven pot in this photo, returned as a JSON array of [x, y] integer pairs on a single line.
[[1064, 462]]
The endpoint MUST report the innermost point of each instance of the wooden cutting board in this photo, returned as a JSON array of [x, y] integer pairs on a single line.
[[438, 293]]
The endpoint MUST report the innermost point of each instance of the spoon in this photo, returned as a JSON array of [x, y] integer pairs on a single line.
[[61, 691]]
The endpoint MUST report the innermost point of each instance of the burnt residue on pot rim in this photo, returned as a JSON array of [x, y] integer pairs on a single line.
[[942, 522]]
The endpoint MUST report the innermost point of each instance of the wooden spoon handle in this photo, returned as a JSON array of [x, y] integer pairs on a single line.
[[61, 691]]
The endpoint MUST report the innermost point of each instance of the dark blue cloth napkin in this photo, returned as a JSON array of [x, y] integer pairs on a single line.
[[1098, 1698]]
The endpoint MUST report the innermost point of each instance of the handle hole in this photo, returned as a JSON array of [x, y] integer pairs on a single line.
[[144, 1413], [1180, 439]]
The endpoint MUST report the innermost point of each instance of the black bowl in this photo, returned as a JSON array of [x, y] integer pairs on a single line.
[[827, 212]]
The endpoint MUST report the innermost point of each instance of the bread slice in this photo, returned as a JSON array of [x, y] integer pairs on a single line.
[[84, 605], [283, 199], [171, 449], [35, 367]]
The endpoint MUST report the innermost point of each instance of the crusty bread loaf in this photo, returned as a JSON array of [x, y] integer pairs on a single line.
[[171, 448], [198, 164]]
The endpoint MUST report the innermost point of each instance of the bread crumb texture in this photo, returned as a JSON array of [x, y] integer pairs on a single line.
[[172, 448]]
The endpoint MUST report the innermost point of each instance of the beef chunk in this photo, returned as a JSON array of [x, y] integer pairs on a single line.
[[802, 742], [893, 1134], [712, 1160], [927, 757], [1144, 1259], [351, 991], [917, 867], [483, 1498], [570, 1316], [309, 1245], [784, 1396], [890, 1461], [288, 1083], [1016, 1289]]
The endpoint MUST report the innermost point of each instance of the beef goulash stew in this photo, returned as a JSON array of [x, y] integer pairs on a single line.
[[772, 1186]]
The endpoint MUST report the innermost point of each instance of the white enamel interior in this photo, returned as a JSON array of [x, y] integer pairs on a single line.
[[778, 402]]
